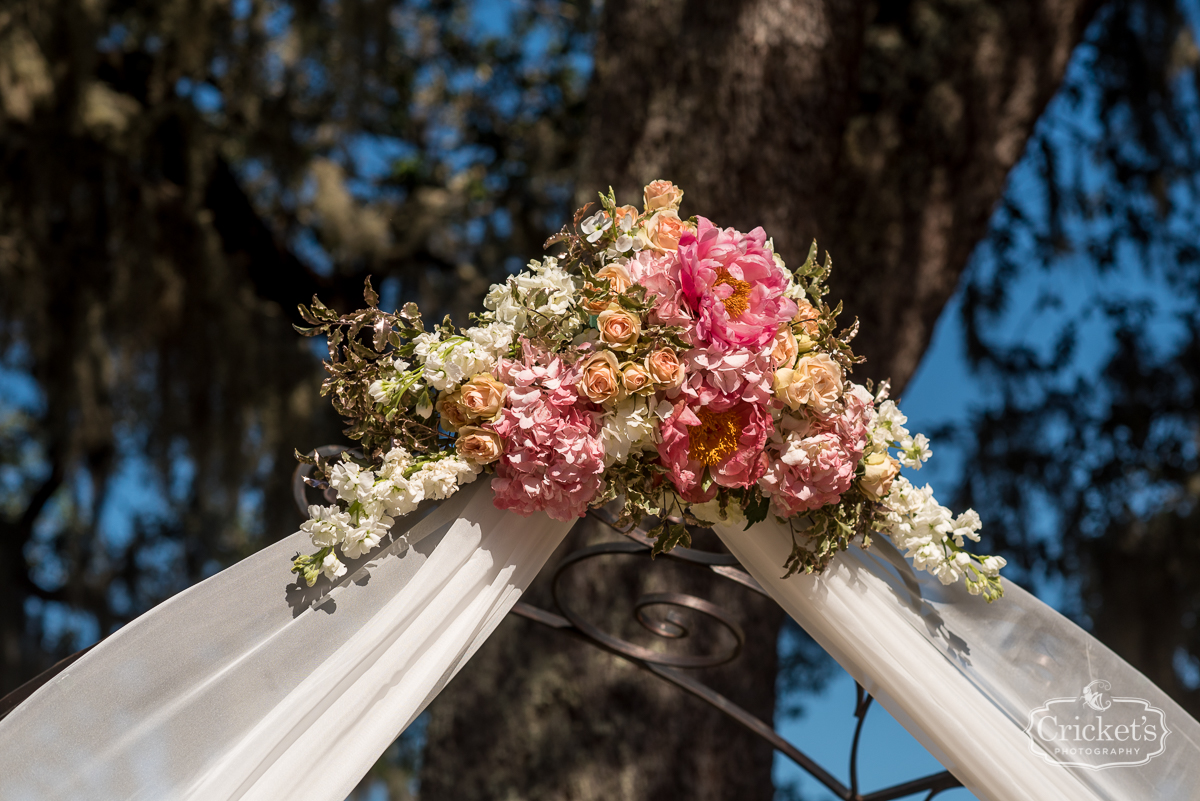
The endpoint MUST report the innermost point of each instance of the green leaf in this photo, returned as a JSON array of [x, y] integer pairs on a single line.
[[756, 510], [369, 294], [671, 537]]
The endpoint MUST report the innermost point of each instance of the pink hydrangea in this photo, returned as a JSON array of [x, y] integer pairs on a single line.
[[553, 457], [734, 287], [659, 273], [813, 462], [727, 436]]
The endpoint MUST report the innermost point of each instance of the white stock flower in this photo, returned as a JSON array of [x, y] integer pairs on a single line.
[[447, 364], [629, 428], [992, 565], [351, 482], [915, 452], [332, 567], [326, 525], [442, 478], [367, 533]]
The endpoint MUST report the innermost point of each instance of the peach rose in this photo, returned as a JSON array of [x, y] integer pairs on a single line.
[[618, 280], [661, 195], [807, 316], [619, 329], [880, 470], [635, 379], [451, 414], [621, 212], [815, 382], [785, 348], [599, 377], [663, 231], [479, 445], [665, 368], [482, 397]]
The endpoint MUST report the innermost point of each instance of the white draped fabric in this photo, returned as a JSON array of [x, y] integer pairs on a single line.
[[236, 689], [247, 686], [963, 676]]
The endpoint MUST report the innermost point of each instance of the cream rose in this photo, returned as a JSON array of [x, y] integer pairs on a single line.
[[482, 397], [663, 231], [479, 445], [815, 382], [785, 348], [664, 367], [619, 329], [451, 414], [599, 379], [636, 379], [877, 479], [661, 195]]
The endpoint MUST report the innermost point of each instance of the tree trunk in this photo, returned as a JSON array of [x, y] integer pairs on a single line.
[[885, 132]]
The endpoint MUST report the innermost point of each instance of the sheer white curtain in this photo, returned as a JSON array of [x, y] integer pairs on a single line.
[[239, 689], [249, 687], [962, 675]]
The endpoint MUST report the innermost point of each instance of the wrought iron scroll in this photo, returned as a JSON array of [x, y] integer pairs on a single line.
[[672, 667]]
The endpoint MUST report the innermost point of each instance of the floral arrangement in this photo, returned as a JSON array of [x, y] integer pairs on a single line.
[[667, 362]]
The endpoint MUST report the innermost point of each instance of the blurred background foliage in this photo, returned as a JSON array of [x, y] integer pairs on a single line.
[[177, 175]]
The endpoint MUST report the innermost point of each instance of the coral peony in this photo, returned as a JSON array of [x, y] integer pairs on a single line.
[[727, 436], [734, 286], [659, 273]]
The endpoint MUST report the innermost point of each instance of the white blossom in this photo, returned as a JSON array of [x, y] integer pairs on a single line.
[[332, 567], [326, 525], [511, 300], [630, 428], [451, 362], [351, 482]]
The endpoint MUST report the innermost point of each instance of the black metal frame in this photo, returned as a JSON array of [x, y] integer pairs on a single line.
[[671, 667]]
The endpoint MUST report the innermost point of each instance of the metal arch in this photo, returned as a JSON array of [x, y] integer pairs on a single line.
[[671, 668]]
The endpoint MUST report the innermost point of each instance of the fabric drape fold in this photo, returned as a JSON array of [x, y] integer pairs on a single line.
[[963, 676], [236, 689]]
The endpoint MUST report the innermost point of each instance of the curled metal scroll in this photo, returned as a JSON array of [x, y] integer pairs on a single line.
[[672, 667]]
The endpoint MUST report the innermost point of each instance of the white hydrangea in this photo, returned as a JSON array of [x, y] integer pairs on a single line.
[[496, 338], [631, 427], [510, 300]]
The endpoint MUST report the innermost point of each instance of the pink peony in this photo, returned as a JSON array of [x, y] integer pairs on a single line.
[[734, 287], [659, 273], [739, 372], [553, 458], [813, 463], [727, 436]]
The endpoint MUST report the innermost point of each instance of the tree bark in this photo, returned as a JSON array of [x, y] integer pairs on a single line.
[[887, 133]]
